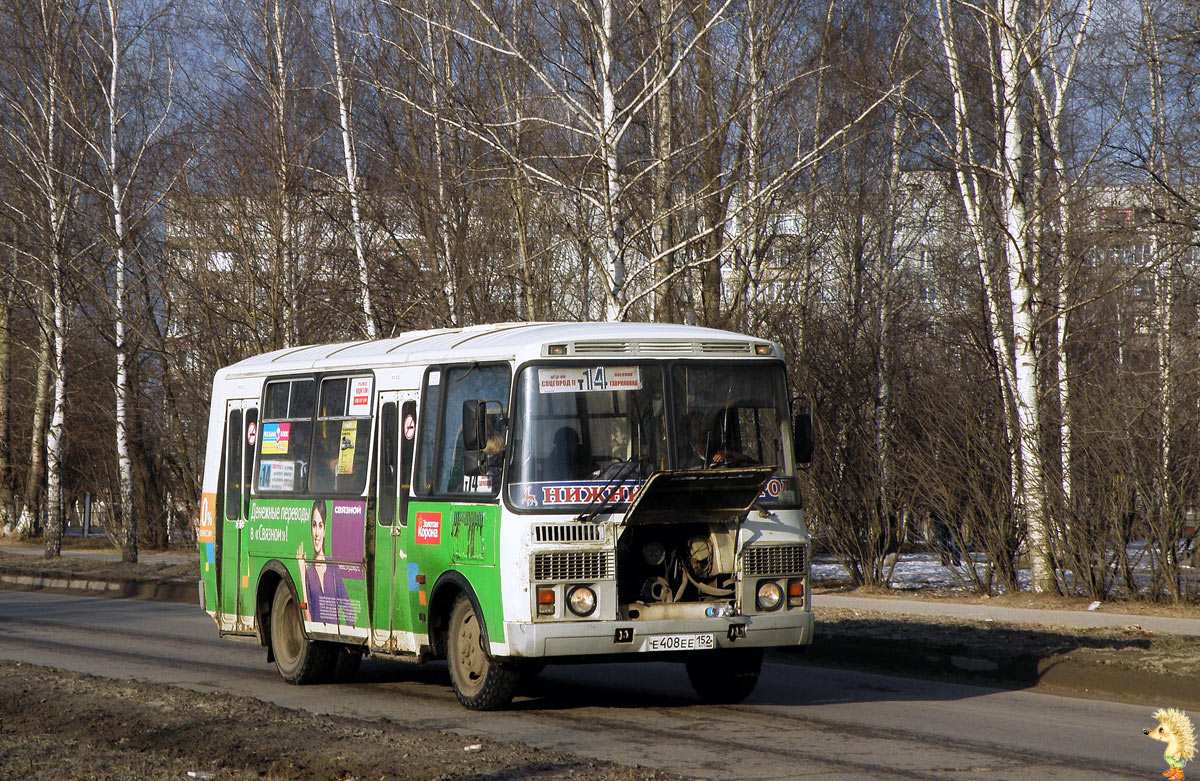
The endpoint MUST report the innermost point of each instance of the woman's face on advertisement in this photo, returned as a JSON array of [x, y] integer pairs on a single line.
[[318, 529]]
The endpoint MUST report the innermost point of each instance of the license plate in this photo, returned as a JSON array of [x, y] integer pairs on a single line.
[[701, 642]]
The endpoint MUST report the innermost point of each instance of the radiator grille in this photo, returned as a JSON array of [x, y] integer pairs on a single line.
[[590, 565], [567, 532], [774, 560]]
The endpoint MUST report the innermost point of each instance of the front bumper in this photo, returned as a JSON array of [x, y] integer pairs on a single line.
[[584, 638]]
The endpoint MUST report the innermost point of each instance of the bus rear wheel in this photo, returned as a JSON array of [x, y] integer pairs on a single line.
[[298, 659], [725, 676], [480, 683]]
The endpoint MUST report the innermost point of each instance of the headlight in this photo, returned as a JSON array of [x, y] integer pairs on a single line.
[[582, 601], [770, 595]]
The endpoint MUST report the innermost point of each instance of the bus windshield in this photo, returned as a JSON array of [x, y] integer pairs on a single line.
[[588, 434], [728, 415]]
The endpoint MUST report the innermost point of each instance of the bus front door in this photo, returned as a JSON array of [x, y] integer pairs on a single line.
[[241, 431], [394, 578]]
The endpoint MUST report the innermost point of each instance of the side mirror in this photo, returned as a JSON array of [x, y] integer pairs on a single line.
[[474, 424], [802, 437], [475, 463]]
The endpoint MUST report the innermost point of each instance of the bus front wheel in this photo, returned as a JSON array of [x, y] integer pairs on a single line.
[[298, 659], [480, 683], [725, 676]]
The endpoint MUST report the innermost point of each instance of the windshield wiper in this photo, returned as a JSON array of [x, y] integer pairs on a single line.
[[603, 499]]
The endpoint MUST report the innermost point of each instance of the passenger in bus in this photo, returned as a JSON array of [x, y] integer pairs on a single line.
[[494, 450], [324, 590], [565, 459]]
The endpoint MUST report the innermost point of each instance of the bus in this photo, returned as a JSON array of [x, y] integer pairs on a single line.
[[506, 496]]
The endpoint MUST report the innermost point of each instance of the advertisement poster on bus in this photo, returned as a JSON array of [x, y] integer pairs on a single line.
[[324, 538]]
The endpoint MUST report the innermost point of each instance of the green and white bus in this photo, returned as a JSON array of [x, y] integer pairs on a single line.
[[508, 495]]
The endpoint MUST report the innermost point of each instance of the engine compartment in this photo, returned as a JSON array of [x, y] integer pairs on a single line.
[[676, 569]]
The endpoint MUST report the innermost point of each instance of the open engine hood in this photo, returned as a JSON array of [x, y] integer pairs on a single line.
[[698, 495]]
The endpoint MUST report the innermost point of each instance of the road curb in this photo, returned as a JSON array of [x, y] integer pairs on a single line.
[[184, 592], [1061, 673]]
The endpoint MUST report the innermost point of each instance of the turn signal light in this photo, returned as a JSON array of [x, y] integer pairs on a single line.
[[545, 601], [556, 349], [795, 592], [762, 349]]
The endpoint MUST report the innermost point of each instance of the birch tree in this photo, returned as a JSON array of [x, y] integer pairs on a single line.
[[594, 100], [42, 95], [119, 157], [1005, 92], [341, 79]]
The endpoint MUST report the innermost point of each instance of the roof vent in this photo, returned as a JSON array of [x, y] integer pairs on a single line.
[[727, 348], [599, 348], [666, 348]]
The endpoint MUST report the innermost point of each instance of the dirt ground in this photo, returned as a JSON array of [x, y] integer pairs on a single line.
[[58, 725], [71, 566]]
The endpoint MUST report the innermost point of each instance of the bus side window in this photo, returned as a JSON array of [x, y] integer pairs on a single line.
[[388, 466], [408, 416], [251, 433], [441, 460], [233, 466], [431, 402]]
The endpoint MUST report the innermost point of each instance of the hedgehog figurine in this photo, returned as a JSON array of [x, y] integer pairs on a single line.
[[1174, 729]]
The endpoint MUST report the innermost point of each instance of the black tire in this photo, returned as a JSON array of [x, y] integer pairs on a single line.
[[479, 682], [725, 676], [298, 659]]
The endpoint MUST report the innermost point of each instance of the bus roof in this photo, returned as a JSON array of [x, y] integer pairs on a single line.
[[506, 341]]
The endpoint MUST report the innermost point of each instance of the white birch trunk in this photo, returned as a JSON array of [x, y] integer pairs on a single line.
[[290, 294], [752, 227], [129, 522], [7, 511], [663, 235], [1022, 283], [607, 132], [350, 158], [33, 497], [441, 248], [55, 444], [1164, 303], [970, 191]]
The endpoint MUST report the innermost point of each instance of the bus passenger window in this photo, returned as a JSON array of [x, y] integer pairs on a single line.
[[388, 463], [233, 466], [285, 436], [251, 433], [341, 440]]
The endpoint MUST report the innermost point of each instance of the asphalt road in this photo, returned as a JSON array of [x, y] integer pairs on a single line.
[[802, 722]]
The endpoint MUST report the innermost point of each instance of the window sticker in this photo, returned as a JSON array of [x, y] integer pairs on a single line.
[[277, 476], [582, 380], [360, 397], [477, 484], [275, 438], [345, 463]]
